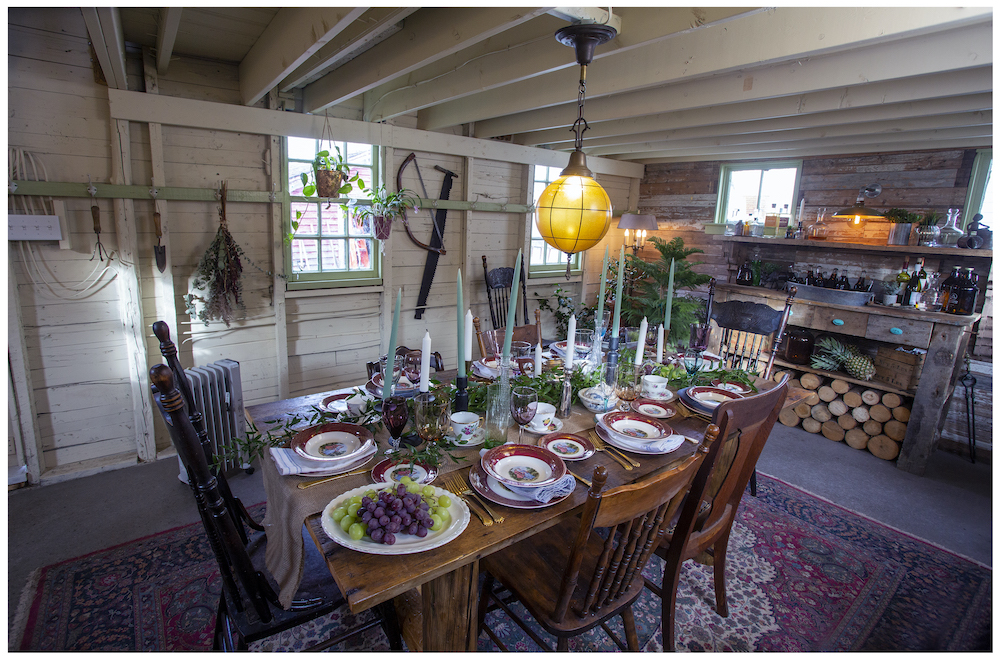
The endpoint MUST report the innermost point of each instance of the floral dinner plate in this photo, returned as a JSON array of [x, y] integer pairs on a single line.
[[523, 465], [567, 446]]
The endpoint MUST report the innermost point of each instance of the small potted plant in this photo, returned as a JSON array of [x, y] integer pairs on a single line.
[[330, 176], [902, 225], [890, 290], [384, 207], [928, 231]]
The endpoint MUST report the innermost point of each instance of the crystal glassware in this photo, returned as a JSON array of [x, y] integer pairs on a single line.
[[699, 336], [627, 384], [523, 403], [397, 371], [692, 363], [394, 415], [950, 233], [431, 416], [411, 367]]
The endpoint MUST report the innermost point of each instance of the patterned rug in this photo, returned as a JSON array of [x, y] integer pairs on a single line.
[[804, 575]]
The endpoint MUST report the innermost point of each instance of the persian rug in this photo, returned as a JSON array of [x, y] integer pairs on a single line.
[[803, 575]]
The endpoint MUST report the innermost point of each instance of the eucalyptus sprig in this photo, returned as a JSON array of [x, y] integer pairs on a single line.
[[254, 444], [430, 453]]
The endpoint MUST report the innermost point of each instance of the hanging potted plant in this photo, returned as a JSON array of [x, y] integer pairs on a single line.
[[384, 207], [330, 176]]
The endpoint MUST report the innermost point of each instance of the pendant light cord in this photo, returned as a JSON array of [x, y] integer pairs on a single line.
[[580, 125]]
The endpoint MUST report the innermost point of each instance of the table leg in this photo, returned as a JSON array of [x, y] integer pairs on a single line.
[[450, 605]]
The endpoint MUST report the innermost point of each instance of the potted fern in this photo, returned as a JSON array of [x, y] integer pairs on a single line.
[[384, 206], [890, 290]]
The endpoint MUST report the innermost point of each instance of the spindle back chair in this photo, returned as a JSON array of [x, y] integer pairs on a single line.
[[499, 283], [491, 341]]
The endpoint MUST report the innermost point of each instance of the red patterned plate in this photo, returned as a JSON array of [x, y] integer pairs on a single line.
[[653, 408], [732, 386], [394, 471], [497, 493], [337, 402], [711, 396], [567, 446], [633, 426], [523, 465], [335, 441]]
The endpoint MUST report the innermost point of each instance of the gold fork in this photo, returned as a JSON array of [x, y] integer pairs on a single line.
[[465, 489], [622, 459], [451, 486]]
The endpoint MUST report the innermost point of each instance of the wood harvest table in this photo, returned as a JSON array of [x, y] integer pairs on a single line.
[[447, 576]]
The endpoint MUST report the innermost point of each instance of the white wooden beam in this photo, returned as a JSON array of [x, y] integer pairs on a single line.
[[170, 22], [951, 52], [589, 15], [375, 24], [289, 39], [175, 111], [962, 91], [783, 35], [20, 375], [527, 52], [277, 216], [105, 29], [427, 35]]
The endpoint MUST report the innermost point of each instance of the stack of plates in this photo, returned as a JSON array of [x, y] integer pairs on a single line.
[[404, 387], [519, 467], [705, 399], [336, 444], [630, 431]]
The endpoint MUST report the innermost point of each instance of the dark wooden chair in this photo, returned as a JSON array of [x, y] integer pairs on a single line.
[[499, 282], [586, 570], [750, 331], [437, 362], [248, 607], [746, 424], [491, 341]]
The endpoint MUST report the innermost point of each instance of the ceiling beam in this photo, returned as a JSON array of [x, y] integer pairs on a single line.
[[782, 35], [289, 39], [166, 35], [526, 52], [589, 15], [950, 51], [106, 36], [967, 90], [427, 35], [374, 24]]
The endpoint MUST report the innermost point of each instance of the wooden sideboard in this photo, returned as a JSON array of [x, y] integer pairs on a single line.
[[944, 336]]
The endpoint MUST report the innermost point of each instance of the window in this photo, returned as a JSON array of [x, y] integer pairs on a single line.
[[749, 190], [545, 259], [327, 247], [980, 196]]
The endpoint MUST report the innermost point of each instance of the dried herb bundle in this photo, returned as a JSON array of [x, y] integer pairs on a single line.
[[220, 272]]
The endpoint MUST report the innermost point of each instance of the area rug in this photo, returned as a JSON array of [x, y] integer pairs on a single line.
[[804, 575]]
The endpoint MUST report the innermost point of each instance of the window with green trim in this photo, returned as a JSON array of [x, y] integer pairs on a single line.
[[327, 246], [749, 190], [979, 199], [544, 259]]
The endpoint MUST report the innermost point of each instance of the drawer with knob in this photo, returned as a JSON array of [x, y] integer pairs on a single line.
[[895, 330], [838, 320]]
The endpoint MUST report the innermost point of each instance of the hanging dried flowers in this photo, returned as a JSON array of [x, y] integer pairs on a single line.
[[219, 272]]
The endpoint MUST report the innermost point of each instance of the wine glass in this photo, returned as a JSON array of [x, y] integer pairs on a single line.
[[411, 367], [523, 402], [693, 361], [394, 416], [699, 336], [392, 380], [626, 386], [431, 416], [583, 341]]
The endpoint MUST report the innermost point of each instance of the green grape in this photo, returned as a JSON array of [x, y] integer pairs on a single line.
[[357, 530], [338, 513], [371, 494], [347, 521], [352, 510], [438, 522], [355, 500], [414, 488], [406, 481], [442, 513], [428, 491], [444, 501]]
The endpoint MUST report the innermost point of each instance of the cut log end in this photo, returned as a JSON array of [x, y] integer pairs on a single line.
[[826, 393], [811, 425], [789, 417], [891, 400], [847, 422], [861, 414], [820, 413], [840, 386], [838, 407], [901, 413], [832, 431], [884, 447], [871, 397], [895, 429], [880, 413], [810, 381], [856, 438], [872, 427]]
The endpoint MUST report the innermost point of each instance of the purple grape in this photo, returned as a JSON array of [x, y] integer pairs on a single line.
[[383, 520], [379, 512], [412, 528], [393, 527], [373, 523], [376, 534], [396, 518], [406, 519], [421, 531], [365, 501], [397, 505], [409, 508], [400, 489], [389, 538], [366, 516], [371, 506]]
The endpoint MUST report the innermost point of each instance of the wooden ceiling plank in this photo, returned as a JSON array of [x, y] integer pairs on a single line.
[[530, 51], [351, 40], [951, 51], [783, 35], [106, 36], [166, 35], [427, 35], [290, 38]]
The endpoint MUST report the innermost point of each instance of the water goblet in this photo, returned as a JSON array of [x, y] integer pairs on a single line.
[[699, 336], [583, 341], [394, 416], [627, 384], [693, 361], [431, 416], [393, 378], [523, 403], [411, 367]]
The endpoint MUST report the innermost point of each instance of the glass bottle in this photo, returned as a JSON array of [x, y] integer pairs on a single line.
[[744, 276], [756, 268], [831, 282], [968, 290], [950, 233], [903, 276], [819, 231], [861, 284], [810, 278], [843, 283], [911, 297], [948, 298]]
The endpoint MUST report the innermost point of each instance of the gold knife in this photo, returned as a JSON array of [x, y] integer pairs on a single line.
[[583, 481], [310, 484], [601, 446]]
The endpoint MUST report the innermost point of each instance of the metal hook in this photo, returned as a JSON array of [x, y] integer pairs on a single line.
[[218, 194], [90, 187], [272, 196]]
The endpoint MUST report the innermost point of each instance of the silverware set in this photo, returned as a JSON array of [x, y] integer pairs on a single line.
[[456, 484], [622, 459], [310, 484]]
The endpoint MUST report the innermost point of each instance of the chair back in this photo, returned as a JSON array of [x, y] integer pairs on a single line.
[[241, 583], [491, 341], [632, 519], [499, 282], [748, 423], [748, 330], [437, 362]]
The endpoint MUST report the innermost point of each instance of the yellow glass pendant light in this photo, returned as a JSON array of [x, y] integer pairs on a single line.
[[574, 212]]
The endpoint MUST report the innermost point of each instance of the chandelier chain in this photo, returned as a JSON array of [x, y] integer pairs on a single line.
[[580, 125]]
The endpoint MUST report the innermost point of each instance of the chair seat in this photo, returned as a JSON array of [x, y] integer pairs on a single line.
[[526, 569]]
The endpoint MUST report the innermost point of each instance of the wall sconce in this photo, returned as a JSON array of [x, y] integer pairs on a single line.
[[639, 224], [859, 213], [574, 211]]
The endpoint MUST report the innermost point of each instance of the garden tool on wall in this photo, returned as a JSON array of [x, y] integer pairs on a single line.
[[436, 247], [159, 251], [95, 212]]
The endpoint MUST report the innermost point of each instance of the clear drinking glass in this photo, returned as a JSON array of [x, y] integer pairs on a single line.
[[523, 402], [583, 341], [699, 336], [431, 416], [627, 384]]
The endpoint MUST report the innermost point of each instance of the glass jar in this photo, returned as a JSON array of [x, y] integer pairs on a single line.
[[928, 235], [950, 233], [798, 346], [819, 231]]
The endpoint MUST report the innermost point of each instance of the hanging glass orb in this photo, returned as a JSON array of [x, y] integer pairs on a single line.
[[573, 213]]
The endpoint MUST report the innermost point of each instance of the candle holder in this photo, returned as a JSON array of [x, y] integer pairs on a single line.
[[462, 394], [566, 396]]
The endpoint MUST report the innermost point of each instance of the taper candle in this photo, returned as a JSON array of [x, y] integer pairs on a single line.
[[670, 298], [538, 359], [618, 294], [640, 348], [461, 328], [659, 344], [467, 349], [570, 342], [600, 298], [390, 361], [512, 307], [425, 363]]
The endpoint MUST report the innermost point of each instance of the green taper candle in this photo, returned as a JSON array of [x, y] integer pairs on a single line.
[[615, 327], [512, 308]]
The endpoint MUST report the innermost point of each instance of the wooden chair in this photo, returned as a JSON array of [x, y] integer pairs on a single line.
[[491, 341], [248, 607], [586, 570], [746, 424], [437, 362], [499, 282], [748, 329]]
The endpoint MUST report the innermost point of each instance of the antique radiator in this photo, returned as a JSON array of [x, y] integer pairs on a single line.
[[218, 394]]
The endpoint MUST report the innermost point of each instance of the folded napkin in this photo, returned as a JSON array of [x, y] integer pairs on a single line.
[[290, 462], [667, 444], [545, 494]]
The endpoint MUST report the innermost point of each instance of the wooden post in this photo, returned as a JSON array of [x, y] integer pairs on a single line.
[[278, 210], [26, 418], [451, 597]]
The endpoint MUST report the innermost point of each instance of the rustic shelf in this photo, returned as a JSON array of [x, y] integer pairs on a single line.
[[871, 384], [861, 247]]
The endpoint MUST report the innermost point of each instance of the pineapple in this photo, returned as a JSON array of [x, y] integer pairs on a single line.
[[834, 356]]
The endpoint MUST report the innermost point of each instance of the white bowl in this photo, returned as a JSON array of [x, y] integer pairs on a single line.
[[595, 403]]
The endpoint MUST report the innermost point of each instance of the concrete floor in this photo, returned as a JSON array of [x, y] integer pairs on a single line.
[[949, 506]]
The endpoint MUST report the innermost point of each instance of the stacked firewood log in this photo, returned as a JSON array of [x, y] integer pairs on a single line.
[[863, 418]]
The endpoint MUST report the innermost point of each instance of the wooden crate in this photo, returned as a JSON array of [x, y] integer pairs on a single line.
[[898, 368]]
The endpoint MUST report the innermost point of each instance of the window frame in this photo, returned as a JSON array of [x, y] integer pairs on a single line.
[[725, 173], [296, 281], [982, 168], [536, 271]]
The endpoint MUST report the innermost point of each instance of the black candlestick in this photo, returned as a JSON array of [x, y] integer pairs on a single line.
[[462, 395]]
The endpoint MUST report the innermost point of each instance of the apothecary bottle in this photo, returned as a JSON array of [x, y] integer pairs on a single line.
[[949, 301], [968, 290], [950, 233]]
